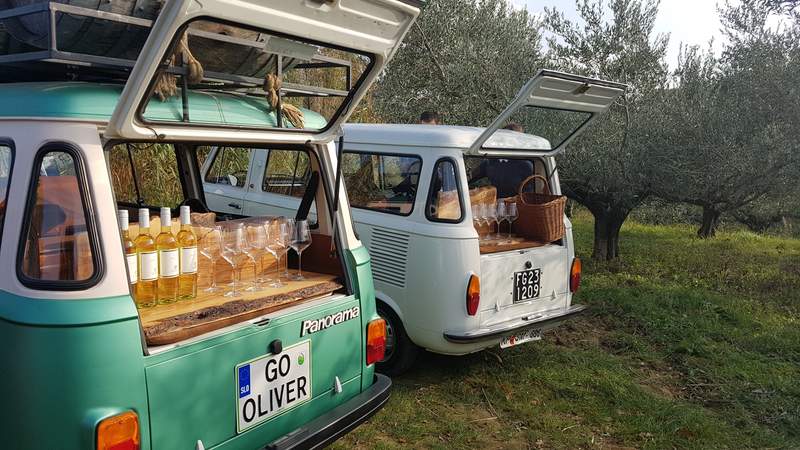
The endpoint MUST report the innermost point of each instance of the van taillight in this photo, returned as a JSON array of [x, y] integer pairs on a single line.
[[376, 341], [473, 294], [120, 432], [575, 275]]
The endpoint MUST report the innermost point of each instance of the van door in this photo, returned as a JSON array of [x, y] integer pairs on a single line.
[[279, 178], [552, 108], [226, 179]]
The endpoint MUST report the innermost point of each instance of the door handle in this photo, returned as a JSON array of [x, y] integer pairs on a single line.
[[235, 205]]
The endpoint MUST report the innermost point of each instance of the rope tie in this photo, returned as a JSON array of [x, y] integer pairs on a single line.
[[166, 85], [272, 85]]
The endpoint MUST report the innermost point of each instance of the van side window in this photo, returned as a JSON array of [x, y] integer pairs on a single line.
[[444, 194], [6, 159], [57, 245], [386, 183], [229, 167], [287, 172], [151, 180]]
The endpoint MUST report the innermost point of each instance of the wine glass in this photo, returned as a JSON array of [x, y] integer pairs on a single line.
[[287, 241], [233, 244], [276, 231], [210, 248], [500, 216], [491, 217], [254, 251], [476, 219], [301, 239], [482, 218], [512, 216]]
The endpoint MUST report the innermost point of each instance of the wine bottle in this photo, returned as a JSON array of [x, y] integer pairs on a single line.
[[187, 241], [129, 247], [146, 293], [168, 260]]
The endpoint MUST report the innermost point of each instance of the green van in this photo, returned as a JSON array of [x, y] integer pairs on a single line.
[[85, 133]]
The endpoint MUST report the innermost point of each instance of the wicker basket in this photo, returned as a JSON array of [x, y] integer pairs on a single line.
[[541, 216]]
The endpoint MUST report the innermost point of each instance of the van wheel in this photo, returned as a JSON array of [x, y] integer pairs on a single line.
[[400, 351]]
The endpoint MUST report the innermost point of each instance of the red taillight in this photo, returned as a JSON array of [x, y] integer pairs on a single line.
[[473, 294], [575, 275], [120, 432], [376, 341]]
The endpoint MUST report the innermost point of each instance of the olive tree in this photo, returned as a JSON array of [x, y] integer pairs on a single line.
[[463, 59], [607, 169], [730, 124]]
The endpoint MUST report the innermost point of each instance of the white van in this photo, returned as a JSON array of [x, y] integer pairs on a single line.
[[427, 259]]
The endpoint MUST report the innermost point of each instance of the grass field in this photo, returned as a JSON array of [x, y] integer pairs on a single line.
[[688, 344]]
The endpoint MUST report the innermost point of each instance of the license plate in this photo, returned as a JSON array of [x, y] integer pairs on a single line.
[[531, 334], [527, 284], [270, 385]]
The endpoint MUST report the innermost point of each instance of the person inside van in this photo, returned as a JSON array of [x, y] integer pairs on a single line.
[[504, 174], [430, 118]]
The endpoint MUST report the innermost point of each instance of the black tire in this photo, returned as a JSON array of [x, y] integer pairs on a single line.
[[400, 351]]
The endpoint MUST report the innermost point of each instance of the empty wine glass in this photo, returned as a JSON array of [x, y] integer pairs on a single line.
[[276, 245], [476, 219], [233, 244], [301, 239], [511, 210], [491, 217], [287, 241], [500, 216], [210, 248], [254, 236]]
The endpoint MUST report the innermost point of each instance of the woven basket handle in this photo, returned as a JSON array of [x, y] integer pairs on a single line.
[[527, 180]]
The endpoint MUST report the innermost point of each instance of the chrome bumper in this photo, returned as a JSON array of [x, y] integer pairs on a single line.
[[548, 319]]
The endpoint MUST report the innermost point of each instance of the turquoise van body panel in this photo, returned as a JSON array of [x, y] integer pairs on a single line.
[[96, 102], [62, 374], [359, 260]]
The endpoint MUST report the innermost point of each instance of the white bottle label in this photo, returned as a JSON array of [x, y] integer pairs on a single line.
[[168, 263], [189, 260], [148, 266], [133, 268]]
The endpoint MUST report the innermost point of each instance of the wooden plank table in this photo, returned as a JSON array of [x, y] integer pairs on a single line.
[[506, 244], [167, 324]]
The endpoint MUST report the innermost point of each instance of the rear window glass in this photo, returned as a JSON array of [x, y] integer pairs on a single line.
[[57, 242], [145, 175], [287, 173], [6, 158], [386, 183], [229, 167], [444, 202], [505, 174]]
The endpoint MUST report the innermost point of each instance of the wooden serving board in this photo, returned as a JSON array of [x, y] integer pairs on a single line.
[[505, 245], [167, 324]]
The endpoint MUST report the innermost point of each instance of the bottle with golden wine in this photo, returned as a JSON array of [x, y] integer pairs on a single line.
[[168, 263], [146, 293], [131, 259], [187, 242]]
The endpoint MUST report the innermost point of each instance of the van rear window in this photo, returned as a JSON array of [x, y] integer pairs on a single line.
[[386, 183], [57, 246]]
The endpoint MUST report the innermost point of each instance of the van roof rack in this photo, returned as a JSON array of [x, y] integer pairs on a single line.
[[47, 61]]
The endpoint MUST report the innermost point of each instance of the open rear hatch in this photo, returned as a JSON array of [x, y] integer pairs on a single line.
[[216, 389], [553, 108]]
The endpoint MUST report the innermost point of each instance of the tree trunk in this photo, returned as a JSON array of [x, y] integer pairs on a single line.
[[710, 222], [607, 223]]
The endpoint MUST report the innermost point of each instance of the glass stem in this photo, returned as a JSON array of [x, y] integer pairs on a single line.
[[300, 263], [213, 272]]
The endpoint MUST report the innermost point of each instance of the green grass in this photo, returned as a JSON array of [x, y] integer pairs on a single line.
[[689, 343]]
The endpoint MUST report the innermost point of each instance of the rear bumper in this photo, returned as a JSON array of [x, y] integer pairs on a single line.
[[339, 421], [544, 320]]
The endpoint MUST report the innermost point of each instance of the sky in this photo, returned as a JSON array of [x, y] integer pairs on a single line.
[[692, 22]]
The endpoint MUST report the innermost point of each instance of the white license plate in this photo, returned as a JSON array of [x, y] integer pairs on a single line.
[[269, 385], [527, 284], [531, 334]]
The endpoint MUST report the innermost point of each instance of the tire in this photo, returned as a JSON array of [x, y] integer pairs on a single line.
[[400, 351]]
